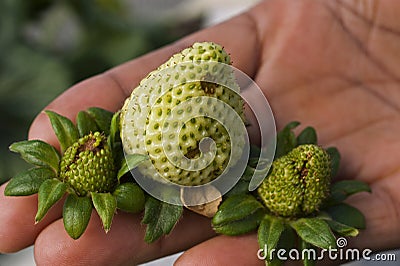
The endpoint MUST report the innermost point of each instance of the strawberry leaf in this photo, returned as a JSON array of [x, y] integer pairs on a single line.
[[129, 197], [160, 218], [310, 254], [286, 140], [334, 155], [314, 231], [105, 205], [343, 189], [28, 182], [307, 136], [269, 233], [85, 124], [114, 129], [236, 208], [241, 187], [131, 161], [76, 215], [38, 153], [286, 242], [102, 118], [346, 214], [237, 215], [64, 129], [50, 192], [342, 229], [242, 226]]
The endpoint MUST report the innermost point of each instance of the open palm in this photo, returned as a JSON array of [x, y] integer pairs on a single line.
[[334, 65]]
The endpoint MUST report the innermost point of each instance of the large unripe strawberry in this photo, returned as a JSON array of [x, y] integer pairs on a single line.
[[298, 182], [191, 97], [88, 165]]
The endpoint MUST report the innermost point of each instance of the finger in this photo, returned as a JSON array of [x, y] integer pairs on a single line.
[[223, 250], [122, 245], [381, 210], [18, 229]]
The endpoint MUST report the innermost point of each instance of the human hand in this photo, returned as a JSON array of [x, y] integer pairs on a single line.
[[333, 65]]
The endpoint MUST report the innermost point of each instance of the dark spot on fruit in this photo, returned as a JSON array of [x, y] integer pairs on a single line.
[[89, 145], [193, 153]]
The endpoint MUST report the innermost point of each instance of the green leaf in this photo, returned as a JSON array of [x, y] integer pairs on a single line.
[[64, 129], [114, 139], [286, 140], [286, 242], [241, 187], [131, 161], [130, 197], [242, 226], [314, 231], [307, 136], [28, 182], [118, 154], [236, 208], [335, 160], [269, 233], [50, 192], [105, 205], [237, 215], [160, 218], [343, 189], [102, 118], [308, 251], [85, 123], [114, 136], [342, 229], [346, 214], [38, 153], [76, 215]]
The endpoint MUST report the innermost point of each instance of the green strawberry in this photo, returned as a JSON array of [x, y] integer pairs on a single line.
[[86, 170], [88, 165], [302, 210], [298, 182], [157, 109]]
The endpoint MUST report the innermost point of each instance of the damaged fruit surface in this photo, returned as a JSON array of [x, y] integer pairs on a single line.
[[298, 182], [88, 165], [88, 170]]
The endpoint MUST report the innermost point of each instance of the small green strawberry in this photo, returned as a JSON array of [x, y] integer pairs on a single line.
[[296, 206], [88, 165], [190, 97], [298, 182], [88, 170]]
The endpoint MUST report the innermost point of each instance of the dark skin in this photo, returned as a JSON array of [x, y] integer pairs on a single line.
[[334, 65]]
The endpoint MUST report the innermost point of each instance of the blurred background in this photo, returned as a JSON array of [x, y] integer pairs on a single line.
[[47, 46]]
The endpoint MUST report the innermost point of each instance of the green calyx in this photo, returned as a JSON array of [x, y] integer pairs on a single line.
[[88, 165], [88, 169], [296, 206], [298, 182]]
